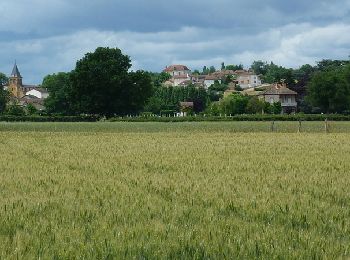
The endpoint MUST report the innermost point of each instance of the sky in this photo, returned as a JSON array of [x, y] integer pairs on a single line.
[[49, 36]]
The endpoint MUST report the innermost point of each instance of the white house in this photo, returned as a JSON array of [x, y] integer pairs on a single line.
[[210, 80], [177, 70], [40, 93], [247, 79]]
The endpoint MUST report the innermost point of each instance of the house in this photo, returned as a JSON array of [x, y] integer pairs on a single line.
[[177, 70], [280, 93], [178, 79], [247, 79], [38, 103], [210, 80]]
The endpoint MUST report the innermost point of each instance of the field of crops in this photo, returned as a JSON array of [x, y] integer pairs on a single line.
[[180, 191]]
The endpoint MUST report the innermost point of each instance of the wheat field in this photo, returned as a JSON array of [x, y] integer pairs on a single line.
[[174, 191]]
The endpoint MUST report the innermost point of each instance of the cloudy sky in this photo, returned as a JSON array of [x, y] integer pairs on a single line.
[[47, 36]]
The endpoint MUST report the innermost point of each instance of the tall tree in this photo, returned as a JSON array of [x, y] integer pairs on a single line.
[[101, 84], [223, 66]]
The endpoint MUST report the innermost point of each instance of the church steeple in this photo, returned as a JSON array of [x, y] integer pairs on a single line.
[[15, 82], [15, 72]]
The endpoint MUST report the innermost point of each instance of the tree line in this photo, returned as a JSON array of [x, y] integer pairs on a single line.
[[102, 84]]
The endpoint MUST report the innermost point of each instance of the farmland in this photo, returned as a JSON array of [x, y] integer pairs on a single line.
[[184, 190]]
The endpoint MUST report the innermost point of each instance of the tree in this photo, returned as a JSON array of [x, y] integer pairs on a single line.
[[4, 98], [303, 75], [154, 105], [212, 69], [162, 77], [15, 110], [234, 67], [330, 89], [101, 84], [3, 80], [276, 74], [255, 106], [205, 70], [326, 65], [31, 109], [60, 90], [223, 66], [234, 104], [259, 67]]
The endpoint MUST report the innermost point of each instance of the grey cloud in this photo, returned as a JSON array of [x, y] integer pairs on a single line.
[[49, 36]]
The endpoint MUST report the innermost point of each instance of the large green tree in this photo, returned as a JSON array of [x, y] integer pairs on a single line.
[[329, 89], [60, 89], [101, 84]]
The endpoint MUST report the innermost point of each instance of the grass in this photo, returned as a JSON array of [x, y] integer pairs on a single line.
[[188, 127], [187, 190]]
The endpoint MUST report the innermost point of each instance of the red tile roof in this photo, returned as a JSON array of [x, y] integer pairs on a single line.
[[176, 68]]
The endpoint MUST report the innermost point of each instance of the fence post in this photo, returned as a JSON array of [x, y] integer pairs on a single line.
[[326, 126], [273, 126], [299, 128]]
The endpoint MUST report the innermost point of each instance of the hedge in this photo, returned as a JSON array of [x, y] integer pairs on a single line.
[[297, 117], [8, 118]]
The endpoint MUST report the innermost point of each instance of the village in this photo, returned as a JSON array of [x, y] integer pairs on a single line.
[[244, 82]]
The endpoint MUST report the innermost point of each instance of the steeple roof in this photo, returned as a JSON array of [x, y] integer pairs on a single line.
[[15, 72]]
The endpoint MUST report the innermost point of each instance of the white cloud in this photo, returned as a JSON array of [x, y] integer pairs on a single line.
[[291, 46]]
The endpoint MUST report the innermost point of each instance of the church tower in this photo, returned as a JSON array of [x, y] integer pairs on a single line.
[[15, 83]]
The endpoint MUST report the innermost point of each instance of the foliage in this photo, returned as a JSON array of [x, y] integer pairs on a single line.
[[60, 89], [44, 118], [277, 73], [207, 70], [234, 104], [3, 80], [259, 67], [169, 98], [101, 84], [15, 110], [234, 67], [303, 75], [4, 99], [238, 88], [31, 109], [159, 78], [255, 106], [217, 86], [154, 105], [329, 89]]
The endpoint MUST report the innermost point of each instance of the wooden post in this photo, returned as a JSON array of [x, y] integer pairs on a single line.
[[326, 126], [273, 126], [299, 128]]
